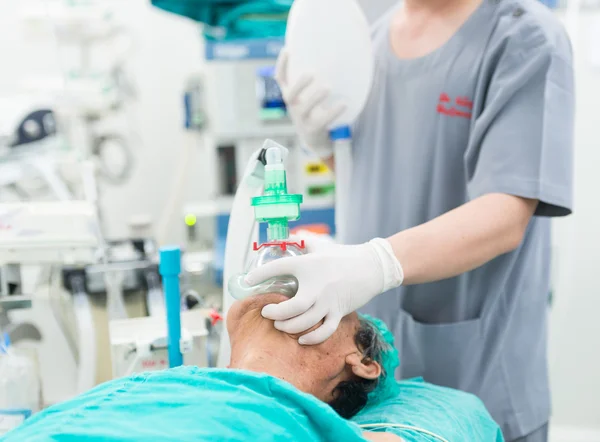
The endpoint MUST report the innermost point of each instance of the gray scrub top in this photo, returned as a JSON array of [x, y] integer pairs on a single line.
[[491, 111]]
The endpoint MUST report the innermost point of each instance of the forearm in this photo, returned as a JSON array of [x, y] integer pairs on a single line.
[[462, 239]]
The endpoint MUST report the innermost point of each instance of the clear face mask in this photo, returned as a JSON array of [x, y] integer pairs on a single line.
[[285, 285], [276, 208]]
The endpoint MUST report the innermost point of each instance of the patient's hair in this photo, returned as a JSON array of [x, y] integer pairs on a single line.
[[351, 396]]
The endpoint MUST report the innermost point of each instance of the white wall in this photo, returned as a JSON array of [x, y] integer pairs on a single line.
[[575, 328], [18, 56]]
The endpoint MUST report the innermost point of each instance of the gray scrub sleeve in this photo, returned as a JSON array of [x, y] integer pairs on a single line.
[[522, 141]]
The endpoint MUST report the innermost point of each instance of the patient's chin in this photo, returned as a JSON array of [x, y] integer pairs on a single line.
[[253, 303], [250, 308], [260, 301], [297, 336]]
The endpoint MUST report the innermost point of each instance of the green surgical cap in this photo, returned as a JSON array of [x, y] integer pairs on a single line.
[[390, 361]]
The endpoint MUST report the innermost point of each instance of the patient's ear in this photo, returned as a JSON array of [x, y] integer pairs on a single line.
[[363, 367]]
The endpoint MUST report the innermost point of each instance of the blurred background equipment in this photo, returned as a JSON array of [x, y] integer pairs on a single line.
[[34, 237], [92, 87], [19, 386], [150, 118]]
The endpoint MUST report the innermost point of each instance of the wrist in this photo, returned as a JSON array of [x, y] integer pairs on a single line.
[[392, 272]]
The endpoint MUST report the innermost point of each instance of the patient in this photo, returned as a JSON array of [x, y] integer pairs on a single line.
[[274, 389], [341, 372]]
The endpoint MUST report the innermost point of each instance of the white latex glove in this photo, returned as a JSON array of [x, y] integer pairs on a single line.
[[306, 102], [332, 283]]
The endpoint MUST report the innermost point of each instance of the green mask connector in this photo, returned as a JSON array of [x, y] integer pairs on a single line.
[[276, 207]]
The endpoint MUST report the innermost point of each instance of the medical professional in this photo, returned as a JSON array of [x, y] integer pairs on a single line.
[[462, 156]]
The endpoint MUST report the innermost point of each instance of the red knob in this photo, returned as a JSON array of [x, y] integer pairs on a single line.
[[215, 317]]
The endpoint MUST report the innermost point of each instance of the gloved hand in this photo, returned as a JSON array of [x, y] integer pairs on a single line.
[[306, 102], [332, 283]]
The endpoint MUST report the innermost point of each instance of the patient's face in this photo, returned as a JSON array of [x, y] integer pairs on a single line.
[[257, 345]]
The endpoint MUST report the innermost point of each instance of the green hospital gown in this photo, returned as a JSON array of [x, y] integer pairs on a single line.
[[189, 404], [200, 404], [451, 414]]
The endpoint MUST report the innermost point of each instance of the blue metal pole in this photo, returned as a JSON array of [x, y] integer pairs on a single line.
[[170, 268]]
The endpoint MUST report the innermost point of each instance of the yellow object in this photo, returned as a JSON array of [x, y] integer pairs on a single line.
[[316, 169], [190, 220]]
